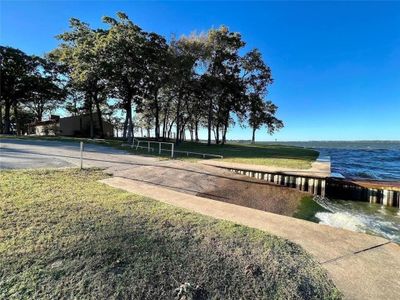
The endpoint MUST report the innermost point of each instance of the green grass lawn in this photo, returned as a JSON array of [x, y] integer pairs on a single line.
[[65, 235], [269, 155], [258, 154]]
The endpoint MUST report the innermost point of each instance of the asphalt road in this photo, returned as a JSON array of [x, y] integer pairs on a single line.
[[186, 177], [33, 154]]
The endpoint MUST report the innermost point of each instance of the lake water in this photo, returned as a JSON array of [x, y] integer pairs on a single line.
[[360, 216], [378, 160], [361, 159]]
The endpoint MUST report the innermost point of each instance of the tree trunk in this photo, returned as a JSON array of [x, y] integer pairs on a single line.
[[157, 115], [165, 124], [124, 132], [7, 124], [182, 132], [40, 116], [17, 121], [196, 131], [98, 110], [130, 124], [217, 136], [39, 112], [132, 128], [1, 119], [91, 121], [178, 112], [253, 138], [210, 107], [170, 129], [224, 134]]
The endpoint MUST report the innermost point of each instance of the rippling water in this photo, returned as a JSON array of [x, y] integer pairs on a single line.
[[361, 216], [361, 159], [378, 160]]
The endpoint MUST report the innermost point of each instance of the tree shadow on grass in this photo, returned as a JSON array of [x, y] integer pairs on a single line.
[[141, 249]]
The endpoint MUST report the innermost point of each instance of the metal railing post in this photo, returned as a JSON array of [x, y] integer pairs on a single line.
[[172, 151], [159, 148], [148, 146], [81, 147]]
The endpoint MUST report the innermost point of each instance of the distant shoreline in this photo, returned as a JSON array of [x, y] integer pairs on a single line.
[[321, 141]]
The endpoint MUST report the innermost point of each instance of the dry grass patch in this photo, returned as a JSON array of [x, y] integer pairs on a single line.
[[65, 235]]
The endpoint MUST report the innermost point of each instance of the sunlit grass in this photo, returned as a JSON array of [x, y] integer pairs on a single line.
[[267, 155], [65, 235]]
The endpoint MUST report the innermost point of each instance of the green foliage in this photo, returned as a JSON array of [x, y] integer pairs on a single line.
[[17, 70], [83, 61], [176, 87], [46, 89], [262, 113], [27, 82]]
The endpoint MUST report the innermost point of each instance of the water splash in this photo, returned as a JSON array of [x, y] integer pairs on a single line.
[[341, 220], [361, 217]]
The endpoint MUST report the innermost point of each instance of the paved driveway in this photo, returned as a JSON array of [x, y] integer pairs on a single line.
[[31, 154], [190, 178]]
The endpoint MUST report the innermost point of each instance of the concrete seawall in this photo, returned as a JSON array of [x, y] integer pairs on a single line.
[[385, 193], [319, 180], [312, 185]]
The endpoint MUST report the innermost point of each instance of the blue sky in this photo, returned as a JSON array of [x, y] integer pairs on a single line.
[[336, 65]]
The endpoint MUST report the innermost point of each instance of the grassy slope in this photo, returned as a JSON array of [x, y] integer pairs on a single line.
[[63, 234], [270, 155]]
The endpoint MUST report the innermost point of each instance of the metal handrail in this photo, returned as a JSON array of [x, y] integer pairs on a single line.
[[201, 154], [148, 145], [172, 148]]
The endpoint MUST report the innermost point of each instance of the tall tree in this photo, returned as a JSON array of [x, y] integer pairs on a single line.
[[17, 69], [74, 100], [46, 90], [262, 113], [79, 52], [157, 61], [223, 55], [125, 47], [188, 55], [257, 77]]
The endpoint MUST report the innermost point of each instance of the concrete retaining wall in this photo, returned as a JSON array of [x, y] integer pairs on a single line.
[[348, 190], [312, 185], [329, 187]]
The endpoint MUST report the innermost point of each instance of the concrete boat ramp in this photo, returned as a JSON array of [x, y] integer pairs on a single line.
[[362, 266], [319, 180]]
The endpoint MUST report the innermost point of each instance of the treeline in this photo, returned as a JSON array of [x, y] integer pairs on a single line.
[[191, 82]]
